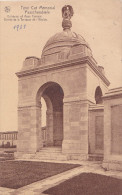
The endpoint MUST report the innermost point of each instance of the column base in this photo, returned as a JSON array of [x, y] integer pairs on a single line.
[[74, 147], [22, 155], [112, 165]]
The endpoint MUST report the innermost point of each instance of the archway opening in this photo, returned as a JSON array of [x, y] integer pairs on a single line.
[[52, 114], [44, 109], [43, 121], [98, 95]]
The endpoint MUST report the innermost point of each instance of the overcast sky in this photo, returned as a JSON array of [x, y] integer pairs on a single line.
[[98, 21]]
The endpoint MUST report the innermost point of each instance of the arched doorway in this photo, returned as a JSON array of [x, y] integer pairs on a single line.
[[53, 95]]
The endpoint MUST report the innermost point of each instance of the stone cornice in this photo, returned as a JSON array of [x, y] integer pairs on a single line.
[[67, 63], [95, 107], [113, 93]]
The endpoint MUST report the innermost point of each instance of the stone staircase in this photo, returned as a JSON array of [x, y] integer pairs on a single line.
[[6, 156], [95, 157], [50, 153], [55, 153]]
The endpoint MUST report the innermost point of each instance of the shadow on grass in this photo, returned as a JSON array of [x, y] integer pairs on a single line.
[[16, 174], [88, 184]]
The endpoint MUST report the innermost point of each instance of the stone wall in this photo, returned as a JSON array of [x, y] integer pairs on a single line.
[[113, 129], [96, 129], [116, 129]]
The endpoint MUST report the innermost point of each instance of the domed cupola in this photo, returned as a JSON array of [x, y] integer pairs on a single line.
[[65, 45]]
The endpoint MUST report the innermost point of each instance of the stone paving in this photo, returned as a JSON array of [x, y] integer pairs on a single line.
[[37, 188]]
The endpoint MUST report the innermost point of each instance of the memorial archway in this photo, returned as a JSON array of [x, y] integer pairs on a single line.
[[53, 95], [67, 59]]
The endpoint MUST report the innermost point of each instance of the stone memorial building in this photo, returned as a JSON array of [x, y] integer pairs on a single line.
[[75, 89]]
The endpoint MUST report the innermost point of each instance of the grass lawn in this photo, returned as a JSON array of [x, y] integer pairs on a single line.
[[15, 174], [88, 184]]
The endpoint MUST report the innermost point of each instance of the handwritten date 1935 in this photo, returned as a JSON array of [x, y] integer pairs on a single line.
[[19, 27]]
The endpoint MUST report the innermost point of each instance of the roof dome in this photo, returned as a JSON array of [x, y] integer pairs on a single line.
[[66, 44], [63, 46], [62, 39]]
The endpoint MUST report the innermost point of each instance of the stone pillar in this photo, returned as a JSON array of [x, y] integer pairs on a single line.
[[75, 127], [29, 129], [58, 128], [96, 129], [49, 128]]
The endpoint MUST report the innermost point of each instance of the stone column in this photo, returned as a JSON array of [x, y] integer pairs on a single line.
[[75, 118], [49, 128], [29, 129]]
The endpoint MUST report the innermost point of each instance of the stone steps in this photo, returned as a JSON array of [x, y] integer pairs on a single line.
[[6, 156], [51, 149], [50, 153], [95, 157]]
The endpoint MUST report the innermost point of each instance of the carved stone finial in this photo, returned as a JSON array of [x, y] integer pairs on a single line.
[[67, 13]]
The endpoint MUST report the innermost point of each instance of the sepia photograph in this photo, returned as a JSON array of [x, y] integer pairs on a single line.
[[61, 97]]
